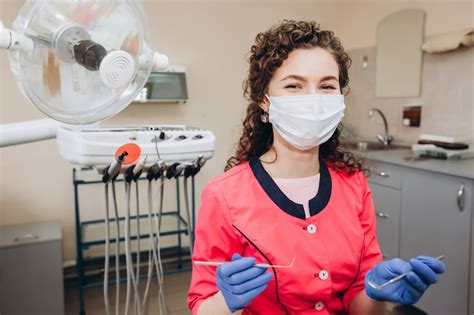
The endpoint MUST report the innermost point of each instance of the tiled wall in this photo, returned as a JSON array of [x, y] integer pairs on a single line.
[[446, 98]]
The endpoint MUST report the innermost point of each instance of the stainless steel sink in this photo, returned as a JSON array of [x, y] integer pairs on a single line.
[[372, 146]]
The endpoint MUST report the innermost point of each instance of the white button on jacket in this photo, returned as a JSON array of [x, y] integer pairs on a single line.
[[323, 274], [311, 228], [319, 306]]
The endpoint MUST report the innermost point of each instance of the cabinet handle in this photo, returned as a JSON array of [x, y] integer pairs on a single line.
[[383, 174], [26, 237], [461, 198], [383, 215]]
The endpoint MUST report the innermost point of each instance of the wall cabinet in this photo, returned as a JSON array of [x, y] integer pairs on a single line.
[[426, 213]]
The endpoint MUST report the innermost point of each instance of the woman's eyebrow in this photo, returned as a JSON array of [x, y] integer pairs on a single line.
[[295, 77], [303, 79], [328, 78]]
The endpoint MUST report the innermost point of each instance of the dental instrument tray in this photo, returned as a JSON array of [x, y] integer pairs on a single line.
[[433, 151], [96, 147]]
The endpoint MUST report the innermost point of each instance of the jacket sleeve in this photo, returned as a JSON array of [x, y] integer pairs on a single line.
[[215, 240], [371, 254]]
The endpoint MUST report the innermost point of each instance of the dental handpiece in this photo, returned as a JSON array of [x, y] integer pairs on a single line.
[[191, 169], [154, 172], [113, 169], [175, 170], [394, 279], [135, 171], [139, 167]]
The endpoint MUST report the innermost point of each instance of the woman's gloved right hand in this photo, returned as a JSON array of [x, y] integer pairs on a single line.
[[240, 282]]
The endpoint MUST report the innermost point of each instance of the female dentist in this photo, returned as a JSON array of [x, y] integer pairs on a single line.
[[290, 191]]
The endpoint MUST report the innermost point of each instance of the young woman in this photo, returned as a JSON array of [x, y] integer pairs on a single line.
[[290, 191]]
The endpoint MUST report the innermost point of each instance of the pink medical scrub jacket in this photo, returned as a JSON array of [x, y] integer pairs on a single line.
[[243, 211]]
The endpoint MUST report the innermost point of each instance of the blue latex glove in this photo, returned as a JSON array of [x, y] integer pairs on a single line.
[[422, 272], [240, 282]]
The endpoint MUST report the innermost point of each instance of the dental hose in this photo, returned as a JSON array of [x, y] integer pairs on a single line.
[[117, 252], [109, 175], [133, 174], [151, 251], [153, 257], [137, 277], [127, 233], [191, 170], [157, 244], [188, 216], [156, 172], [128, 257], [107, 250]]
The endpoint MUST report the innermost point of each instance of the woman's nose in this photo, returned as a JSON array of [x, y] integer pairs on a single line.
[[310, 89]]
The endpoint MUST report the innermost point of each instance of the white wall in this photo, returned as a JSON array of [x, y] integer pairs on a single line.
[[357, 20]]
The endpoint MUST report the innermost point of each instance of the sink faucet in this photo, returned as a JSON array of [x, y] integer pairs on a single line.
[[386, 139]]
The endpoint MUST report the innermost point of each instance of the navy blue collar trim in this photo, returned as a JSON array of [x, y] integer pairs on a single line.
[[316, 204]]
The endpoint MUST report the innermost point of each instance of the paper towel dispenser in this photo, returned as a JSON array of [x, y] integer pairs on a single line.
[[165, 86]]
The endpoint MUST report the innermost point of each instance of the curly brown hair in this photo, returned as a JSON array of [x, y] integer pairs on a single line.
[[271, 48]]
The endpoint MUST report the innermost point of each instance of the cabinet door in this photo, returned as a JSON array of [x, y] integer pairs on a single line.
[[387, 210], [433, 224]]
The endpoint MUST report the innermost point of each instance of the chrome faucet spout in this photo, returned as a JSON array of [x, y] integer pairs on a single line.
[[386, 139]]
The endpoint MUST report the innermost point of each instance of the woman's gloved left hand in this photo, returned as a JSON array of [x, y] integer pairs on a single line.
[[422, 271]]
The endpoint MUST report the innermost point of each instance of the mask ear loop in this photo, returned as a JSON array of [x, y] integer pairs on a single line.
[[265, 117]]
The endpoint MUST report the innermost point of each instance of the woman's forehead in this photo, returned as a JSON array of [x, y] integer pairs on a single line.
[[310, 63]]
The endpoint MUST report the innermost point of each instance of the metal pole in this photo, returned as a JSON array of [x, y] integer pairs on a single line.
[[193, 207], [79, 259], [178, 206]]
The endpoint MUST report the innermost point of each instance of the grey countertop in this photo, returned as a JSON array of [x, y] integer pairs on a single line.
[[404, 157]]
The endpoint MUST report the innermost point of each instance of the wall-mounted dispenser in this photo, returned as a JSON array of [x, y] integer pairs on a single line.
[[166, 86], [412, 116]]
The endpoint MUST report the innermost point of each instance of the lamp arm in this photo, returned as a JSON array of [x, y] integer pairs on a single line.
[[27, 131]]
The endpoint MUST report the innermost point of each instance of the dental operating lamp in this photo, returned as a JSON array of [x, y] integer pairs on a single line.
[[79, 62]]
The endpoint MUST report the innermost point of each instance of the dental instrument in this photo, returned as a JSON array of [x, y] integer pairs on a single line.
[[394, 279], [218, 263]]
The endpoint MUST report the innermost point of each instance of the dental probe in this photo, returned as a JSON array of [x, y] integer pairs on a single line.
[[218, 263], [394, 279]]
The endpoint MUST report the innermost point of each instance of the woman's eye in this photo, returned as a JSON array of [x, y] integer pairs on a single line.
[[328, 87], [291, 86]]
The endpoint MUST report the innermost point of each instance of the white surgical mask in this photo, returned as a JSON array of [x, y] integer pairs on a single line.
[[306, 121]]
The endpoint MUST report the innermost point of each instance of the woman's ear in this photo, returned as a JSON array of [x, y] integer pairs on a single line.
[[264, 104]]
